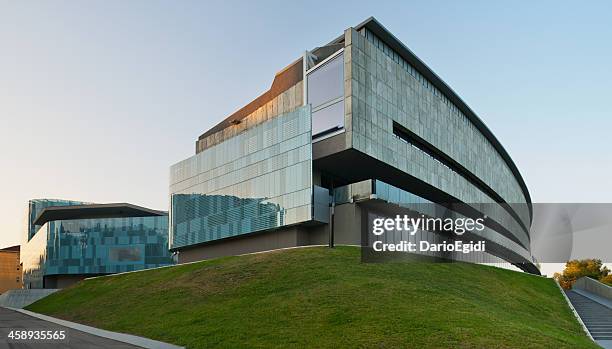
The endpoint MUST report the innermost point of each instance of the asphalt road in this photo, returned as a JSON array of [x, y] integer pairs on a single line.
[[11, 320]]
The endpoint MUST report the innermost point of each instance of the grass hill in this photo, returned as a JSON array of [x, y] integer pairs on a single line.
[[320, 297]]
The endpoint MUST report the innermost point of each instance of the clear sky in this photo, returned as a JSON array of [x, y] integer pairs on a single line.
[[99, 98]]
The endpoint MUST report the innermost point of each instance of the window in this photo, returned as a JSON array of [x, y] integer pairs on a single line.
[[325, 93], [328, 119]]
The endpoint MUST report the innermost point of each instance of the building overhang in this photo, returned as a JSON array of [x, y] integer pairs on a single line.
[[363, 167], [385, 35], [114, 210]]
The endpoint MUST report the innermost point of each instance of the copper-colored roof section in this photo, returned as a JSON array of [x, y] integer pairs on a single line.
[[283, 80], [118, 210]]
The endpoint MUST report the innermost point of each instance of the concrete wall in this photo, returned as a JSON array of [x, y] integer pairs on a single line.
[[594, 286], [63, 281], [257, 242], [23, 298], [347, 224]]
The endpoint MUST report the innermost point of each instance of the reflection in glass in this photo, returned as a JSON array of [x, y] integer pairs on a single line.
[[95, 246], [328, 119], [257, 180], [199, 218], [326, 83], [326, 96], [35, 207]]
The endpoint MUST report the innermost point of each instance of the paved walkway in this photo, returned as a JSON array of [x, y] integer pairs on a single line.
[[12, 320]]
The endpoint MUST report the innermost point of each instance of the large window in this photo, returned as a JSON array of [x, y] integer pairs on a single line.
[[325, 93]]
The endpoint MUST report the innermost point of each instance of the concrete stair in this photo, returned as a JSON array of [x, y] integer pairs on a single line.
[[596, 317]]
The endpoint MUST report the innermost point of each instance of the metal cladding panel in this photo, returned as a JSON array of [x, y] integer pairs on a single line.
[[386, 91]]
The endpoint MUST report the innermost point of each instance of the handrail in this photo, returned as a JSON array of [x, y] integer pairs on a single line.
[[569, 303]]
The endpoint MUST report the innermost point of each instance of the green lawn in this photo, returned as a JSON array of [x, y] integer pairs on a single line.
[[320, 297]]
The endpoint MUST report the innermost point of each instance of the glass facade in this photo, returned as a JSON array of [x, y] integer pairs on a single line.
[[286, 102], [326, 96], [95, 246], [259, 179], [35, 207]]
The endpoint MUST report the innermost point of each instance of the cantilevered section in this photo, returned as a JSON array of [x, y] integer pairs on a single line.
[[115, 210], [385, 35]]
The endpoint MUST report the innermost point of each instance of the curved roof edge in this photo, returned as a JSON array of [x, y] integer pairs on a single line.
[[92, 211], [373, 25]]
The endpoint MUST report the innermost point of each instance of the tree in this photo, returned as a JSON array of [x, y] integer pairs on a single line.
[[577, 268], [607, 279]]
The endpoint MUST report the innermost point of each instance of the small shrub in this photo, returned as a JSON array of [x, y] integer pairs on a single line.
[[577, 268]]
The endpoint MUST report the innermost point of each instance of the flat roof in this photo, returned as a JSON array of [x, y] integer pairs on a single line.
[[92, 211], [15, 248]]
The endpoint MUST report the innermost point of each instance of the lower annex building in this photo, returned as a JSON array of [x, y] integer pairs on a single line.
[[351, 130], [67, 241]]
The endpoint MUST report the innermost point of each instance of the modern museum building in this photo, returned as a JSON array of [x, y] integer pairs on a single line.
[[354, 129]]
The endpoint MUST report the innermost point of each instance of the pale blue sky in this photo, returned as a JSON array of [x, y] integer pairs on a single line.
[[99, 98]]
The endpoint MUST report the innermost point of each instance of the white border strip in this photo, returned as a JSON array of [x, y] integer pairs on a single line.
[[120, 337], [574, 311], [322, 63]]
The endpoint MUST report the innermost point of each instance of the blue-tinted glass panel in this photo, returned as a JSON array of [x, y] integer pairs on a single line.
[[326, 83], [328, 119], [257, 180], [36, 206], [95, 246]]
